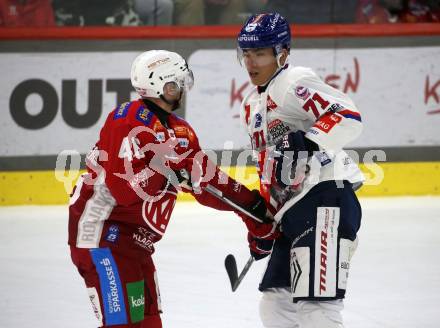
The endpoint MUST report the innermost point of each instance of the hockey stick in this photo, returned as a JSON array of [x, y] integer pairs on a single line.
[[217, 193], [230, 263], [231, 269]]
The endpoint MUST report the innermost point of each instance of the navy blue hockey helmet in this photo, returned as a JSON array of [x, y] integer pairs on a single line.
[[265, 31]]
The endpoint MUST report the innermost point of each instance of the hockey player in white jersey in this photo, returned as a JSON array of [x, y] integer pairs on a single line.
[[298, 126]]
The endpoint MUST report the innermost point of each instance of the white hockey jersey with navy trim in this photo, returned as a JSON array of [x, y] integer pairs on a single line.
[[297, 99]]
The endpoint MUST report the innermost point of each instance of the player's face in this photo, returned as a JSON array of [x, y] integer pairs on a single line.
[[173, 94], [261, 64]]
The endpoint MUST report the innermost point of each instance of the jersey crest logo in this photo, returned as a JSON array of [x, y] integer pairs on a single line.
[[157, 213], [302, 92], [144, 115], [122, 110]]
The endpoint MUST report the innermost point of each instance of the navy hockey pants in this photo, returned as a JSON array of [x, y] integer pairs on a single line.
[[312, 257]]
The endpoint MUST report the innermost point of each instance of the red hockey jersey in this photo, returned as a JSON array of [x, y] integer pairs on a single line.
[[126, 200]]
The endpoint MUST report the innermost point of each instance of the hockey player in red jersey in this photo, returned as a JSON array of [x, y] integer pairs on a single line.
[[121, 207]]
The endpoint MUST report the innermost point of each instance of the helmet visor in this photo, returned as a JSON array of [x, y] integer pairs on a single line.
[[186, 80], [257, 57]]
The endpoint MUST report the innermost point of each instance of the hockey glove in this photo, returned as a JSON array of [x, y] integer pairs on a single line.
[[291, 161], [266, 230], [192, 176], [259, 248]]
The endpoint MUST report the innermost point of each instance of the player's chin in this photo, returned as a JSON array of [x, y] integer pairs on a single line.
[[255, 80]]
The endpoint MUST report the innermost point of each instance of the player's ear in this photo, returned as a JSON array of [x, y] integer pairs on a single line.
[[284, 53], [282, 57]]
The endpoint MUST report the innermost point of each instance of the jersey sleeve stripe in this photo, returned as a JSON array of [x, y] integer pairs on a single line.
[[350, 114]]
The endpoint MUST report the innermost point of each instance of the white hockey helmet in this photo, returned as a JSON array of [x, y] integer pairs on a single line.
[[152, 69]]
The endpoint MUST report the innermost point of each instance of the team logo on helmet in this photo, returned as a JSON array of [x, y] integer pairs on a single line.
[[251, 26]]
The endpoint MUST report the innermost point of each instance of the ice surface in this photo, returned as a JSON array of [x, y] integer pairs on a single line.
[[394, 281]]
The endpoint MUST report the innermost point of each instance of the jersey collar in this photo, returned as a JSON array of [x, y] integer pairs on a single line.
[[160, 113]]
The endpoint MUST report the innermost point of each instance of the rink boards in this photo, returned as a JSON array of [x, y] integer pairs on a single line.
[[56, 96], [382, 179]]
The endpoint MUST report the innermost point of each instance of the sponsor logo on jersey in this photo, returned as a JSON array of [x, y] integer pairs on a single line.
[[144, 238], [335, 107], [302, 92], [258, 120], [277, 129], [144, 115], [160, 136], [180, 131], [136, 300], [122, 110], [183, 142], [271, 105], [327, 122], [112, 234], [111, 287]]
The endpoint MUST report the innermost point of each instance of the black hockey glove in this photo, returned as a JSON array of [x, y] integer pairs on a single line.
[[266, 230], [259, 248], [259, 208], [293, 149]]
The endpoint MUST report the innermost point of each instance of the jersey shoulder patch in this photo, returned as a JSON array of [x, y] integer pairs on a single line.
[[182, 129], [144, 116], [122, 110]]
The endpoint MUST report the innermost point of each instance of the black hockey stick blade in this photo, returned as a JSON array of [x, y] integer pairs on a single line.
[[231, 269]]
